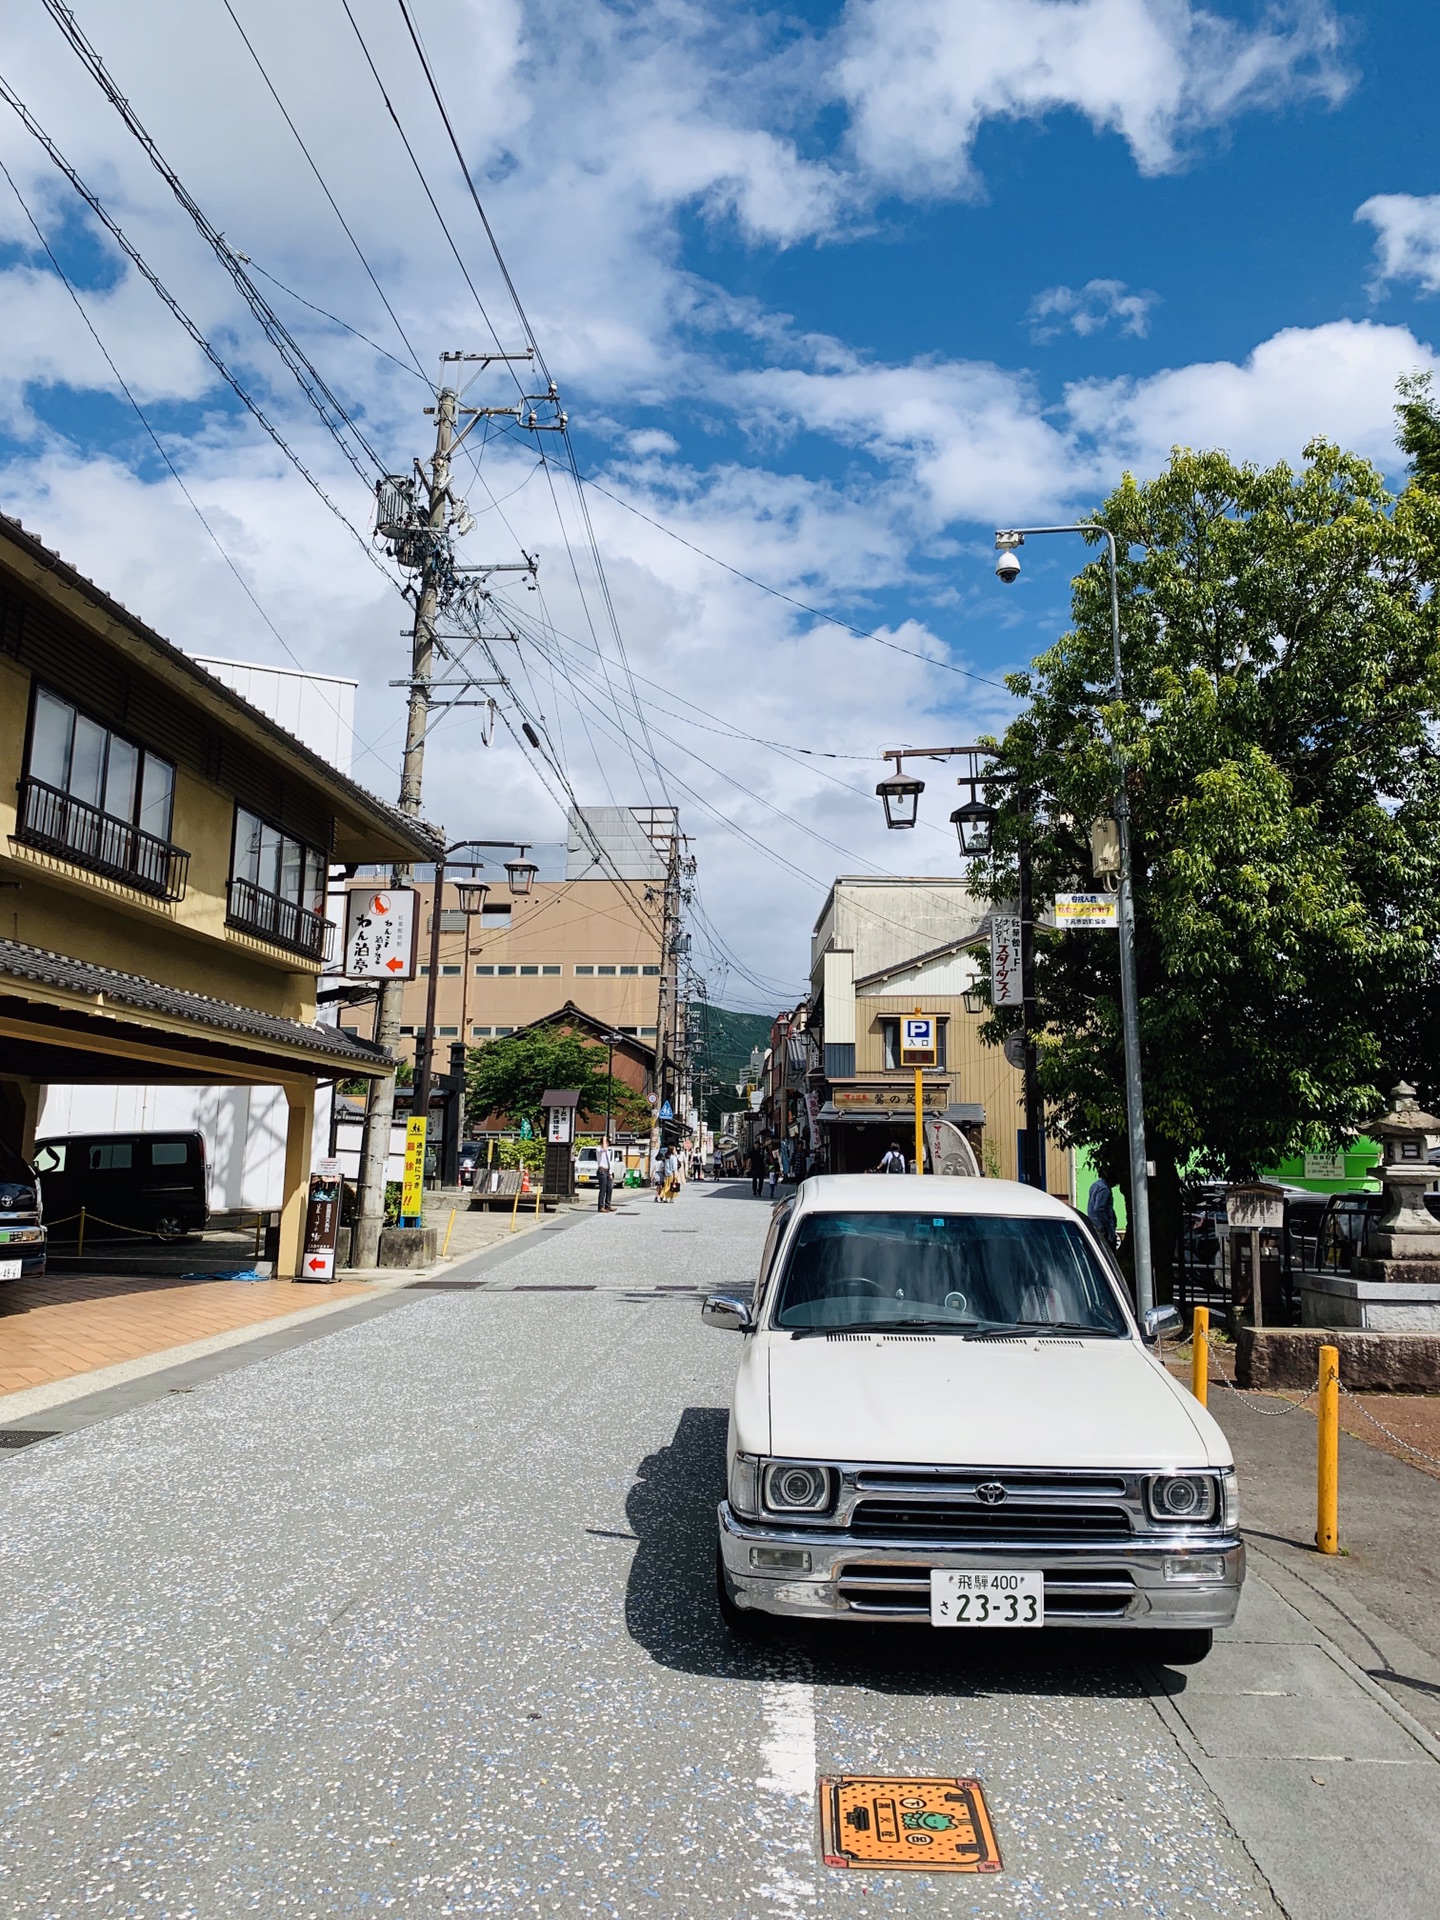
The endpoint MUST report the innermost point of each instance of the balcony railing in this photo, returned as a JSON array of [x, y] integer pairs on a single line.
[[58, 823], [255, 911]]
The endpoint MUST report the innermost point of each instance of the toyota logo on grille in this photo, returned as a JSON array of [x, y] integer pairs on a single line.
[[990, 1493]]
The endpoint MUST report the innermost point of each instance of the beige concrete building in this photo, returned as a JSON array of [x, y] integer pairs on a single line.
[[885, 947], [593, 942]]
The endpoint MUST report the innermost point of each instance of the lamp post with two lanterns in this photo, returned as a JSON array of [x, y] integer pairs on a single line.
[[520, 872], [973, 823]]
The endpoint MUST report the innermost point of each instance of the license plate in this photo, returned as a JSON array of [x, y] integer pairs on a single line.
[[986, 1597], [9, 1269]]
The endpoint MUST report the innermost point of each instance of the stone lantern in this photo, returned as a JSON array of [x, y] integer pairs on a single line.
[[1406, 1230]]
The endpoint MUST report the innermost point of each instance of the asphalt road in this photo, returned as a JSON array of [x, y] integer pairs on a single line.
[[418, 1618]]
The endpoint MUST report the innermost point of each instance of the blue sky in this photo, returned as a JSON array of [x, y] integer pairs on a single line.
[[830, 292]]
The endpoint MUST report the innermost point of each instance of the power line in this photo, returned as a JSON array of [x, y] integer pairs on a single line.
[[142, 266], [324, 188]]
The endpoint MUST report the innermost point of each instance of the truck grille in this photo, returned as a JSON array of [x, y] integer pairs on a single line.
[[951, 1520], [1071, 1593]]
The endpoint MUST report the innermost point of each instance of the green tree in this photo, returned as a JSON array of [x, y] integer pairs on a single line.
[[1282, 684], [1418, 418], [507, 1076]]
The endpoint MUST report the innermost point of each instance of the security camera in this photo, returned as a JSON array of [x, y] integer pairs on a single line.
[[1007, 567]]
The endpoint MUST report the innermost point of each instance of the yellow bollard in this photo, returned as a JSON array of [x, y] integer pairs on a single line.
[[448, 1231], [80, 1236], [1327, 1523], [515, 1209], [1200, 1355]]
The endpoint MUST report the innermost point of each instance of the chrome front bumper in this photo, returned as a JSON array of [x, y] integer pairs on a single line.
[[1133, 1583]]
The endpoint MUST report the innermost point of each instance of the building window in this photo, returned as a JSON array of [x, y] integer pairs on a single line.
[[629, 969], [604, 970], [646, 1033], [407, 1030], [585, 970], [505, 970], [98, 800], [500, 1032], [457, 971], [890, 1042], [648, 971], [424, 973], [479, 1033], [277, 887], [495, 916], [529, 969], [487, 971], [552, 970], [448, 1033]]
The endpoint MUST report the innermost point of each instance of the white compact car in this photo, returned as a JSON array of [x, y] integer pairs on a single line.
[[946, 1412], [587, 1167]]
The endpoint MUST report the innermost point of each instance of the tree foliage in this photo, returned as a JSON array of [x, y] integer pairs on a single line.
[[1282, 682], [507, 1076]]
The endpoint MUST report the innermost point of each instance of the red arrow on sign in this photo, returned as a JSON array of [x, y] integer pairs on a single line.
[[316, 1266], [396, 966]]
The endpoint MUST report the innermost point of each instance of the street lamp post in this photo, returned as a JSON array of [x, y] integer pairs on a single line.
[[1007, 569], [612, 1040], [521, 873]]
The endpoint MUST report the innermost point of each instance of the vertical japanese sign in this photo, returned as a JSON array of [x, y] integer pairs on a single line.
[[1005, 989], [380, 930], [412, 1190], [322, 1222], [558, 1133]]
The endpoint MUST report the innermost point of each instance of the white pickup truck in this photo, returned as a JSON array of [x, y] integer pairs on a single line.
[[946, 1412]]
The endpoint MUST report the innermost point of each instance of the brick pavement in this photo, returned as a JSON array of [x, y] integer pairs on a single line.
[[61, 1325]]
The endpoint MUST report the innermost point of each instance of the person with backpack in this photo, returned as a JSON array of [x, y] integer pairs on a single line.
[[894, 1161]]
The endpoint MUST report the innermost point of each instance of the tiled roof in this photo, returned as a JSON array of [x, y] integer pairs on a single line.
[[20, 962]]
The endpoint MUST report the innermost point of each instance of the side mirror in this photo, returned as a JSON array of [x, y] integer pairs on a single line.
[[1161, 1322], [726, 1310]]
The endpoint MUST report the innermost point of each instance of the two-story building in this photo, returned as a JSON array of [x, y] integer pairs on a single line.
[[164, 850]]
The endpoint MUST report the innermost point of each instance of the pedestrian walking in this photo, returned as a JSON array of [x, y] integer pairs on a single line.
[[657, 1175], [604, 1177], [757, 1169], [1100, 1212], [774, 1171], [672, 1176], [893, 1161]]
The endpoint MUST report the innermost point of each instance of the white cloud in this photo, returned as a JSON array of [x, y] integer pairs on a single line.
[[1407, 237], [1089, 309], [1336, 380], [922, 76]]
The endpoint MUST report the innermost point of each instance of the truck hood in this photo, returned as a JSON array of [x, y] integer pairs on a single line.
[[939, 1400]]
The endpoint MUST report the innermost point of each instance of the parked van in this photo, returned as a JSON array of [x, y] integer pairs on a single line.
[[22, 1238], [148, 1182]]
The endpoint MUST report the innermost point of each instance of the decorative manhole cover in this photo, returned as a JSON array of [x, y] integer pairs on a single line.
[[939, 1826], [22, 1437]]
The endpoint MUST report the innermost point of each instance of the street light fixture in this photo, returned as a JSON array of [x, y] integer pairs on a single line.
[[974, 1000], [612, 1040], [521, 874], [974, 823], [471, 895], [1007, 567], [901, 796]]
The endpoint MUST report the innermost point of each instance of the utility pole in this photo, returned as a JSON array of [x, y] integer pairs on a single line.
[[381, 1108]]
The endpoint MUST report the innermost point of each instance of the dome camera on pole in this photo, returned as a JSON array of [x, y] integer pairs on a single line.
[[1007, 567]]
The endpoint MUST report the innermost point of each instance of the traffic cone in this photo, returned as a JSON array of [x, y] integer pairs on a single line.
[[525, 1180]]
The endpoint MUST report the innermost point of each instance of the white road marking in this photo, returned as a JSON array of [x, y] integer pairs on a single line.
[[787, 1753]]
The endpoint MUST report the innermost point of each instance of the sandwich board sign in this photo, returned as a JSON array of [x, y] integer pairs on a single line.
[[380, 934], [919, 1046]]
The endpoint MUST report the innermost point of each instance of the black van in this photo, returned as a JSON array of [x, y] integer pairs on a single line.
[[148, 1182], [22, 1237]]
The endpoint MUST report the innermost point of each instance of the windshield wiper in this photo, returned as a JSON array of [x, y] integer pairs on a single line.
[[1062, 1326]]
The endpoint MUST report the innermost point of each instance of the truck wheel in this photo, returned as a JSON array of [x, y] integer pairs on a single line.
[[746, 1623], [171, 1226], [1180, 1646]]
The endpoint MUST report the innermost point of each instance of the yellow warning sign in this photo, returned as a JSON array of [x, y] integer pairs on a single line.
[[939, 1826]]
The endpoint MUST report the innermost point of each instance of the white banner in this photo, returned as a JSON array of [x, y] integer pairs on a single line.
[[1086, 910], [1005, 988], [379, 934]]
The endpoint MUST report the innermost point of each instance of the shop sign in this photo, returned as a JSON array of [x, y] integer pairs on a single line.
[[1005, 988], [558, 1131], [322, 1223], [1324, 1166], [888, 1098], [380, 934], [1081, 910], [412, 1188]]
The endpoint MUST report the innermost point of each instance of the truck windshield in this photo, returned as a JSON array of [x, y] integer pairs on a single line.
[[961, 1273]]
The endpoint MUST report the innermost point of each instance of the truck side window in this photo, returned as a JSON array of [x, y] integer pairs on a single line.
[[772, 1241]]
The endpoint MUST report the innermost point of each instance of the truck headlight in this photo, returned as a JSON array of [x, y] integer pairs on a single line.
[[1183, 1499], [793, 1487]]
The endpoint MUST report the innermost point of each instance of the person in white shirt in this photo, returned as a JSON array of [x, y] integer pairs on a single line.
[[604, 1177]]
